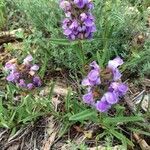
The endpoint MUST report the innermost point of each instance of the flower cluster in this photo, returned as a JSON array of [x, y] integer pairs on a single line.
[[104, 87], [79, 22], [23, 75]]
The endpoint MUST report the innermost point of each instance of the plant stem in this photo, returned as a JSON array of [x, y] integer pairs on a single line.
[[80, 55]]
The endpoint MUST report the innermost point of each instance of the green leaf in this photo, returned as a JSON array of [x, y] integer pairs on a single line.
[[50, 95], [67, 100], [140, 131], [64, 128], [2, 94], [67, 42], [121, 137], [110, 120], [83, 115], [99, 59], [63, 42], [32, 117]]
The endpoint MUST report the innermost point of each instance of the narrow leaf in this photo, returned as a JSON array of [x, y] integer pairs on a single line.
[[63, 41], [83, 115], [121, 137], [110, 120]]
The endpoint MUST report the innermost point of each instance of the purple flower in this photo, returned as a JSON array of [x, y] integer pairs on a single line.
[[81, 3], [37, 81], [88, 22], [83, 16], [30, 86], [93, 75], [68, 14], [111, 97], [113, 64], [94, 87], [94, 65], [67, 31], [90, 5], [116, 74], [102, 105], [10, 67], [86, 82], [28, 59], [119, 88], [12, 77], [93, 78], [74, 24], [88, 98], [123, 88], [79, 23], [22, 83], [65, 5], [20, 76], [34, 67]]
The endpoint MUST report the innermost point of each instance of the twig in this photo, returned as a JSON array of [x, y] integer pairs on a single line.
[[9, 36], [141, 142], [16, 137], [138, 95]]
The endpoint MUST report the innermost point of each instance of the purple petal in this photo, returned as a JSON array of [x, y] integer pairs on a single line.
[[88, 22], [80, 3], [65, 5], [98, 81], [102, 106], [72, 37], [30, 86], [86, 82], [28, 59], [10, 78], [114, 86], [68, 14], [83, 16], [10, 67], [34, 67], [88, 98], [122, 88], [73, 25], [111, 97], [67, 32], [116, 74], [13, 76], [119, 88], [66, 21], [93, 75], [37, 81], [93, 28], [22, 83], [94, 65], [113, 64], [90, 5], [88, 35]]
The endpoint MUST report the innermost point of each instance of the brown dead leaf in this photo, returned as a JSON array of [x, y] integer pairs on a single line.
[[59, 89], [50, 141], [88, 134], [51, 133], [78, 129]]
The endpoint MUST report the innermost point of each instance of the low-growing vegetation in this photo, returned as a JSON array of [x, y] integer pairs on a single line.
[[74, 74]]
